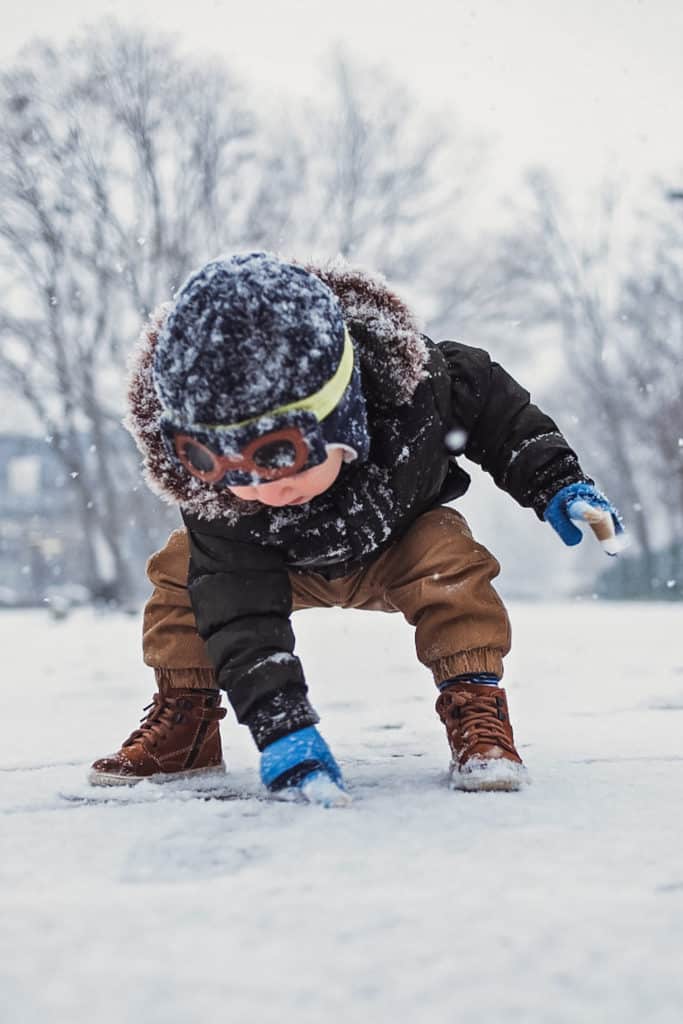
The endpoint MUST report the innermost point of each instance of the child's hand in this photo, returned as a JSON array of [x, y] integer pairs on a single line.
[[303, 761], [582, 502]]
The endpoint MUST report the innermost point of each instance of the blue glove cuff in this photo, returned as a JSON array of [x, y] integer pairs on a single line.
[[558, 510], [292, 759]]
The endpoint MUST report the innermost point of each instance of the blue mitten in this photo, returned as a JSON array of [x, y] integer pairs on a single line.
[[575, 503], [303, 761]]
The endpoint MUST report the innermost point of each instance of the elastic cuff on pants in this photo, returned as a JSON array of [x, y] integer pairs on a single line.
[[280, 714], [194, 678], [482, 659]]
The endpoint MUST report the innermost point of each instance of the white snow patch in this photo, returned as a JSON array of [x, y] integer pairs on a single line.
[[280, 658], [557, 904], [456, 440]]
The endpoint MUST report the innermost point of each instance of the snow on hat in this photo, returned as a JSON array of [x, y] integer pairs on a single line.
[[253, 344]]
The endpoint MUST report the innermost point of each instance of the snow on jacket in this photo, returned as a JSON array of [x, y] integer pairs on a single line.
[[418, 393]]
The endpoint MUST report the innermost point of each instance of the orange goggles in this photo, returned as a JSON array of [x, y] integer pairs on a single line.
[[268, 457]]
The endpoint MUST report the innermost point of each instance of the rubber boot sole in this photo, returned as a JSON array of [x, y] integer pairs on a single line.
[[96, 778], [498, 776]]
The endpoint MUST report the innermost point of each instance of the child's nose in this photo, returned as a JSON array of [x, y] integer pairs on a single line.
[[279, 490]]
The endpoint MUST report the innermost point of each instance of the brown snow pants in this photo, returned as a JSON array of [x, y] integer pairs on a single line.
[[436, 574]]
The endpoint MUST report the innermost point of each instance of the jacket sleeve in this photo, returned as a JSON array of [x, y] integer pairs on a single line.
[[505, 433], [242, 601]]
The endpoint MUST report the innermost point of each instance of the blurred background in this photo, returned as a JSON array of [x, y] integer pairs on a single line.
[[513, 169]]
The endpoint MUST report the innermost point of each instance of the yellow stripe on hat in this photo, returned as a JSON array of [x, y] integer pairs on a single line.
[[320, 404]]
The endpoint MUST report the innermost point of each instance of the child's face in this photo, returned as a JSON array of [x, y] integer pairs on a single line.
[[297, 489]]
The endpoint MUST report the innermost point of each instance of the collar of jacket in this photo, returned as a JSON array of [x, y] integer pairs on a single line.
[[393, 359]]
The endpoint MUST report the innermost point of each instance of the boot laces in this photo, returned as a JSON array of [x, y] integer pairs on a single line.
[[161, 716], [477, 719]]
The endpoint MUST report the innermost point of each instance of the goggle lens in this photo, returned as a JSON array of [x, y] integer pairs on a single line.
[[198, 457], [275, 455]]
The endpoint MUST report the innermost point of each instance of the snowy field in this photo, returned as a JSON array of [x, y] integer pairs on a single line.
[[560, 904]]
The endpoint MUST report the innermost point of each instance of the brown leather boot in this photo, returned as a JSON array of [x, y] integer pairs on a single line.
[[179, 737], [480, 737]]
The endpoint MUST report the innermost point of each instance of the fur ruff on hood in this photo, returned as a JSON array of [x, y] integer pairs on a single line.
[[393, 360]]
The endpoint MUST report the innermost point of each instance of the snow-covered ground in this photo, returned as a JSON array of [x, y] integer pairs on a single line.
[[562, 903]]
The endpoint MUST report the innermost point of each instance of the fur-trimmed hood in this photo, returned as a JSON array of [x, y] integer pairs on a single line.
[[393, 359]]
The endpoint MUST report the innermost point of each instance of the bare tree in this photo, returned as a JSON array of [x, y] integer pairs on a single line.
[[118, 164], [615, 299], [651, 312], [563, 279], [381, 179], [123, 166]]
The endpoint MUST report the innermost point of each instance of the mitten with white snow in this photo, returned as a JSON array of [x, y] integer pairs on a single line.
[[584, 503], [303, 761]]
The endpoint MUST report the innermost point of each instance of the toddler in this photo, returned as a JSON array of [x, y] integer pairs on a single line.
[[309, 434]]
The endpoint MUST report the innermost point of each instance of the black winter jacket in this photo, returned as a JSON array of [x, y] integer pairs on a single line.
[[418, 393]]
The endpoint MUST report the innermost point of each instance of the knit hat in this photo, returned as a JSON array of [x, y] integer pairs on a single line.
[[256, 349]]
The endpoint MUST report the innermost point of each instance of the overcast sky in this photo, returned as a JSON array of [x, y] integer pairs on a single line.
[[585, 86]]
